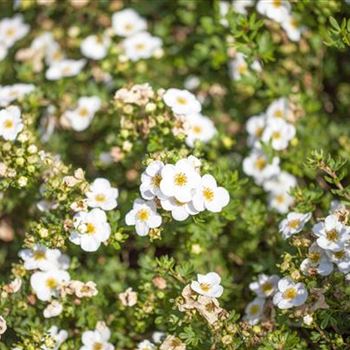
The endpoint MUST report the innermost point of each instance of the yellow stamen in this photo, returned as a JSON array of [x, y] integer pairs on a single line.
[[289, 293], [180, 179]]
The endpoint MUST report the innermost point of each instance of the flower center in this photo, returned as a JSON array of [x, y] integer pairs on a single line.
[[276, 135], [181, 100], [280, 199], [51, 283], [267, 287], [205, 287], [258, 132], [66, 70], [254, 309], [260, 163], [277, 3], [90, 228], [39, 255], [208, 194], [10, 32], [180, 179], [8, 124], [143, 214], [100, 198], [97, 346], [197, 129], [242, 68], [278, 113], [293, 224], [83, 112], [289, 293], [156, 180], [314, 257], [140, 46], [332, 235], [128, 27], [340, 254]]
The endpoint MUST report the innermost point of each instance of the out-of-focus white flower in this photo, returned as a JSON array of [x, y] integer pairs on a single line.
[[179, 211], [81, 117], [282, 182], [317, 260], [12, 30], [254, 310], [102, 195], [182, 102], [293, 224], [90, 229], [199, 128], [10, 122], [128, 22], [265, 286], [279, 133], [332, 234], [238, 66], [280, 201], [95, 47], [209, 196], [240, 6], [255, 127], [65, 68], [53, 309], [290, 294], [278, 10], [42, 258], [97, 339], [291, 27], [192, 82], [3, 326], [141, 46], [10, 93], [157, 337], [150, 181], [278, 109], [59, 336], [208, 285], [45, 284], [146, 345], [144, 216]]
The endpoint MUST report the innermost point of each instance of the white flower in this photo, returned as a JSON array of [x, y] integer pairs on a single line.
[[182, 102], [258, 166], [332, 234], [278, 109], [240, 6], [150, 181], [280, 201], [209, 196], [200, 128], [10, 93], [208, 285], [157, 337], [254, 310], [65, 68], [91, 229], [279, 133], [255, 127], [3, 326], [42, 258], [128, 22], [102, 195], [293, 224], [95, 47], [54, 54], [238, 66], [45, 284], [341, 258], [97, 339], [53, 309], [290, 294], [12, 29], [192, 82], [10, 123], [146, 345], [179, 180], [179, 211], [265, 286], [144, 216], [317, 260], [59, 336], [278, 10], [81, 117], [141, 46], [282, 182], [290, 25]]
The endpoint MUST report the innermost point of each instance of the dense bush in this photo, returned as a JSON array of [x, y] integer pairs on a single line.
[[174, 174]]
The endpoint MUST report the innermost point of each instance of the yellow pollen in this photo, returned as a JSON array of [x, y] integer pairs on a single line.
[[128, 27], [156, 180], [277, 3], [276, 135], [340, 254], [100, 197], [140, 47], [39, 255], [254, 309], [8, 124], [280, 199], [267, 287], [258, 132], [143, 214], [90, 229], [180, 179], [208, 194], [97, 346], [332, 235], [260, 163], [205, 287], [51, 283], [278, 113], [242, 68], [197, 129], [66, 71], [181, 100], [289, 293], [314, 257], [83, 112], [10, 32], [293, 224]]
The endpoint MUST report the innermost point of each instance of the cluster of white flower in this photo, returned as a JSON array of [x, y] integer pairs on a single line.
[[10, 122], [273, 127], [178, 188], [187, 108], [11, 30], [280, 11], [284, 292], [80, 118], [11, 93], [138, 43], [91, 228]]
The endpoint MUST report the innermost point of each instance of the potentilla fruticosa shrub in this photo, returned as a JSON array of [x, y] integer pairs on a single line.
[[174, 174]]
